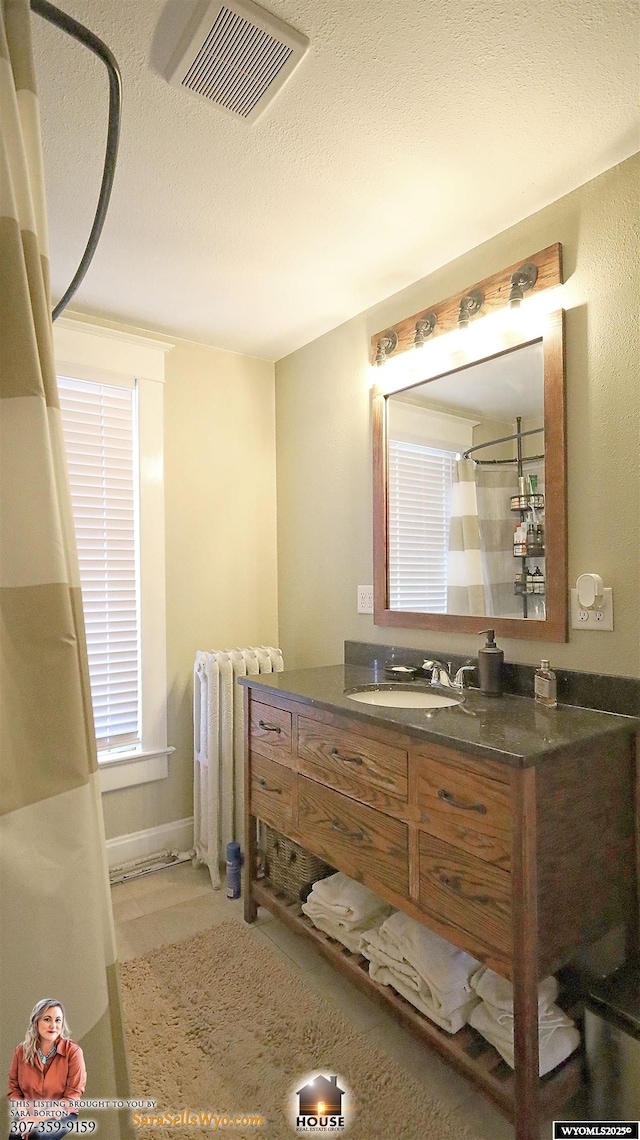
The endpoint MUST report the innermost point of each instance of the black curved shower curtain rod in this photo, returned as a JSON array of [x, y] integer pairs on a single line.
[[84, 36]]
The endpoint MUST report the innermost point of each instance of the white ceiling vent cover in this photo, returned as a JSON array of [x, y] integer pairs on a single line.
[[237, 56]]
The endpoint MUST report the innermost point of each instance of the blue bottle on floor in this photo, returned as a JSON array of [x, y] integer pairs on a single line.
[[234, 863]]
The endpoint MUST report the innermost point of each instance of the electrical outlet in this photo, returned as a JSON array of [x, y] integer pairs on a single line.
[[592, 619], [365, 599]]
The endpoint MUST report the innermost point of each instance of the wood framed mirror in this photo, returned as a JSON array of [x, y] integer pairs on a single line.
[[469, 494]]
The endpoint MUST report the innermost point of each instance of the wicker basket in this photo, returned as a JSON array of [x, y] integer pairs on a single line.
[[290, 868]]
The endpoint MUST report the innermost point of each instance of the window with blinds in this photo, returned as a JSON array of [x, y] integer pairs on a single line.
[[420, 483], [98, 423]]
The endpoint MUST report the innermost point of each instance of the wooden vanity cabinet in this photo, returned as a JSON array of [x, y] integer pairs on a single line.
[[519, 866]]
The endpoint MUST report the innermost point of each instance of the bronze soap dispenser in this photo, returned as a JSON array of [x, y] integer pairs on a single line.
[[490, 660]]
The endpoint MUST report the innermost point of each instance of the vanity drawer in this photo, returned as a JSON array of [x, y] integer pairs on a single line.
[[366, 845], [459, 889], [271, 733], [466, 809], [365, 769], [271, 788]]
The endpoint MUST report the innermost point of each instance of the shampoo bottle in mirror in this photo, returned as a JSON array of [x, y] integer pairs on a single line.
[[490, 660]]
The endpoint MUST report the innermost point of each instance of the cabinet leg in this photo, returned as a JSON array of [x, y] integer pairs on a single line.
[[250, 907], [525, 959], [250, 822], [250, 865], [525, 1008]]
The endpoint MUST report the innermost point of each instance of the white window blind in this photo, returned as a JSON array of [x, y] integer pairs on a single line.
[[420, 482], [98, 423]]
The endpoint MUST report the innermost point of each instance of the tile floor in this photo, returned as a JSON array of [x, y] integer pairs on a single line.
[[167, 906]]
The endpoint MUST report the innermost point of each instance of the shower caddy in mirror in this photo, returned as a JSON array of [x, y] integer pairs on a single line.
[[469, 462], [528, 538]]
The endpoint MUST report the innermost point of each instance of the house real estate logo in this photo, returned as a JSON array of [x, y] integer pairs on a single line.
[[319, 1106]]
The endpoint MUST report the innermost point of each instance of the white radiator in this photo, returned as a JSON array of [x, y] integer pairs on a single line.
[[218, 739]]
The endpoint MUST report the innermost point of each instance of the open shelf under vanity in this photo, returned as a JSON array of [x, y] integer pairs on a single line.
[[466, 1050]]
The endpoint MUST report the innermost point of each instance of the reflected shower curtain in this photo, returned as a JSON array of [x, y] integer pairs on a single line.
[[494, 488], [465, 577], [56, 934]]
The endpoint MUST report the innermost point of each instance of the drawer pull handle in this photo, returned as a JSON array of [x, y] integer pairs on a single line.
[[269, 727], [453, 883], [260, 780], [336, 825], [450, 799], [345, 759]]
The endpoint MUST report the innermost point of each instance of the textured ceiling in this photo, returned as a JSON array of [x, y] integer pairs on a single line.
[[411, 132], [492, 389]]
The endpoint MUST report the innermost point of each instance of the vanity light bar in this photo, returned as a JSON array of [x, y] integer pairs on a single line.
[[532, 275]]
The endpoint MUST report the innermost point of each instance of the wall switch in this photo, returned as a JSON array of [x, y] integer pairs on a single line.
[[601, 619], [365, 599]]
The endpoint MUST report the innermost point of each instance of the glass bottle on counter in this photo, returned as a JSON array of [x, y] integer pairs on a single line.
[[544, 686]]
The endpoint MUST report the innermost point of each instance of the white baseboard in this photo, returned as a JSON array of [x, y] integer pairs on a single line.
[[174, 836]]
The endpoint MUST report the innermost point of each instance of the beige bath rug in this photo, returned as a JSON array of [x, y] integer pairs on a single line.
[[219, 1023]]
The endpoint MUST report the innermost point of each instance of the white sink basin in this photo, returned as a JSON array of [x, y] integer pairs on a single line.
[[401, 698]]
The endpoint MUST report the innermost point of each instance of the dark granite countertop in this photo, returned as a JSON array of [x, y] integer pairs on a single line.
[[515, 730]]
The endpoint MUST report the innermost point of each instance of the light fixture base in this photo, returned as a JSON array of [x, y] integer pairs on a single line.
[[387, 344], [470, 304], [425, 325], [522, 281]]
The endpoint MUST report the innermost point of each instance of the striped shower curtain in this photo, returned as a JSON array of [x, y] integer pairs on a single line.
[[465, 577], [494, 488], [56, 932]]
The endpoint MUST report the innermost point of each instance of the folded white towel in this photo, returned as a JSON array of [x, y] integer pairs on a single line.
[[383, 954], [344, 900], [350, 936], [557, 1035], [344, 908], [449, 1010], [498, 992], [451, 1021], [443, 966]]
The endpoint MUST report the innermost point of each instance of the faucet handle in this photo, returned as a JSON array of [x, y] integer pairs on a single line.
[[460, 675], [439, 673]]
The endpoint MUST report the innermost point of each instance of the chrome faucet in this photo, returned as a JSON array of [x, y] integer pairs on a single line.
[[440, 674]]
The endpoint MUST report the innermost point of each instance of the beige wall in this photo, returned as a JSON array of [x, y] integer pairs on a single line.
[[220, 512], [324, 449]]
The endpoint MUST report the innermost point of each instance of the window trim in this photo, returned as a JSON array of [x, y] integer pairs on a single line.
[[84, 351]]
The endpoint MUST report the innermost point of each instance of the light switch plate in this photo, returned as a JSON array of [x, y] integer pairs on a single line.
[[592, 619], [365, 599]]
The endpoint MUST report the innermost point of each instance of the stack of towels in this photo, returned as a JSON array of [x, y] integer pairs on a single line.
[[344, 909], [428, 971], [493, 1018], [447, 985]]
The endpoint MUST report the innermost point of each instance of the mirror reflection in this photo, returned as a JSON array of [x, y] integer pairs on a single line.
[[466, 491]]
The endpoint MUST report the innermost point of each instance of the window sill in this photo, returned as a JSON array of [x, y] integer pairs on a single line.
[[127, 769]]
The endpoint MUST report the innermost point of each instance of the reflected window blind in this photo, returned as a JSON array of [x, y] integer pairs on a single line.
[[98, 422], [420, 482]]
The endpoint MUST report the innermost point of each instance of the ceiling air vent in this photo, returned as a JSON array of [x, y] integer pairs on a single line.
[[237, 56]]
